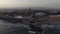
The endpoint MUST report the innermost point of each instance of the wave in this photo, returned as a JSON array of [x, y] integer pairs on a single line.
[[46, 26], [6, 27]]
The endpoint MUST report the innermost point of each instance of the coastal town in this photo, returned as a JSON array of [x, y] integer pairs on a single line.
[[30, 15]]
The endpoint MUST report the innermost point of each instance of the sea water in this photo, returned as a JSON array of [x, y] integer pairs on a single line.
[[10, 28]]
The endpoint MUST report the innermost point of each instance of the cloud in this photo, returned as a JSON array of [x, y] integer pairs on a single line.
[[30, 3]]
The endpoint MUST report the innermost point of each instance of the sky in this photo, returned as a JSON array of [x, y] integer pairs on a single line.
[[29, 3]]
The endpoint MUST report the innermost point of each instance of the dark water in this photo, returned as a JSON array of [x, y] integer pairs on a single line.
[[9, 28], [52, 29]]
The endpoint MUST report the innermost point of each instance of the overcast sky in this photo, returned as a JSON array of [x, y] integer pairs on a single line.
[[29, 3]]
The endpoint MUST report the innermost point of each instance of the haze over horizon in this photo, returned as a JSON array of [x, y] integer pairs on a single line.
[[29, 3]]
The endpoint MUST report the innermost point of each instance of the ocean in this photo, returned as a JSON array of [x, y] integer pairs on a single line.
[[10, 28]]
